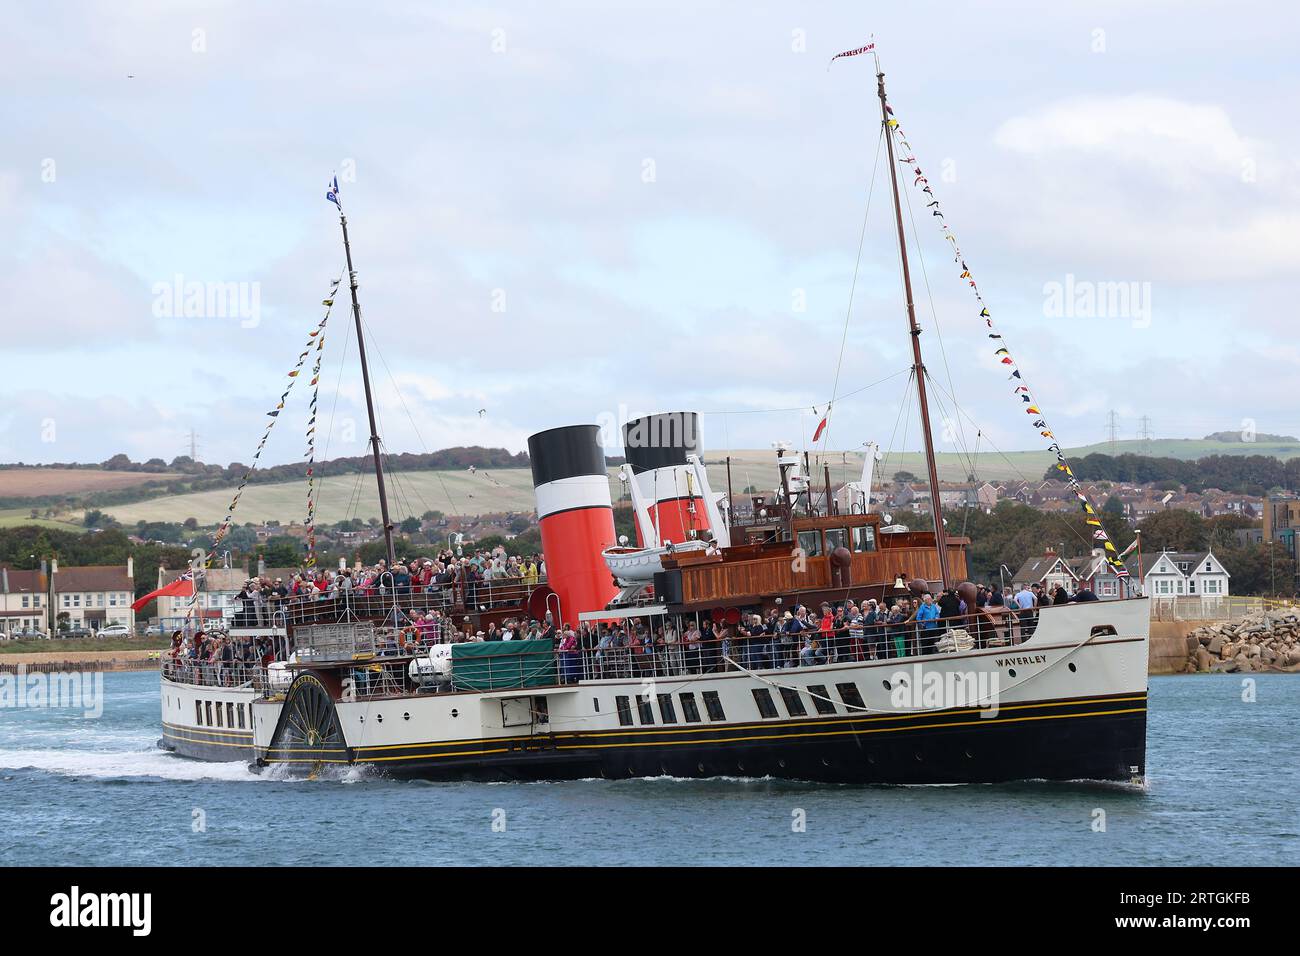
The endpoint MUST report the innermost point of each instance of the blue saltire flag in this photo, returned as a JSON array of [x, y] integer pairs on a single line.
[[333, 194]]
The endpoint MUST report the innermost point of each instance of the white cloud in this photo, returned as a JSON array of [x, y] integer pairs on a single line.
[[1186, 144], [1152, 188]]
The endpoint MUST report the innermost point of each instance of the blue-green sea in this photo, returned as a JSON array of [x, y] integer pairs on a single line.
[[1223, 788]]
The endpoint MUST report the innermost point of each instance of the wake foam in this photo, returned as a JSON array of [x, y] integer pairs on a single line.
[[131, 764]]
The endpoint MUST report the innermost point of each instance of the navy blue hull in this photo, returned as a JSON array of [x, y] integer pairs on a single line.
[[212, 745], [1063, 740]]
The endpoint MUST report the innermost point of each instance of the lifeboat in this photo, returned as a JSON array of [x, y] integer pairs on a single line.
[[640, 565]]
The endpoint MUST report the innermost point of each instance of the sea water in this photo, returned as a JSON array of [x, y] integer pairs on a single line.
[[1223, 787]]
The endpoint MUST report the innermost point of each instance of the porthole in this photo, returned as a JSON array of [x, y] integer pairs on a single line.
[[455, 712], [887, 685], [380, 717], [1011, 672], [700, 767], [1073, 669], [406, 716], [918, 756], [361, 717], [781, 763], [825, 762], [969, 755], [740, 767]]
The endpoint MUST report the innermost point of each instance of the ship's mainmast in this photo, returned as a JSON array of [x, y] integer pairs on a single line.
[[918, 366]]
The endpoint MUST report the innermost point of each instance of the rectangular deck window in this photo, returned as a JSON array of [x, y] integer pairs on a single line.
[[220, 723], [645, 710], [240, 711], [793, 702], [864, 538], [230, 715], [690, 710], [713, 706], [624, 707], [667, 713], [207, 709], [810, 543], [836, 538], [763, 697], [849, 694], [821, 699], [198, 712]]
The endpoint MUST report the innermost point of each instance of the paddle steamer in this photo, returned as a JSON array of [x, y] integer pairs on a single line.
[[1058, 695]]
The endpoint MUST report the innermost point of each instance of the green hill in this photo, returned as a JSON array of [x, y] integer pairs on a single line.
[[510, 489], [1190, 449]]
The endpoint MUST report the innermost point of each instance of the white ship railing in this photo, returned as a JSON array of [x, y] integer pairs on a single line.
[[214, 674]]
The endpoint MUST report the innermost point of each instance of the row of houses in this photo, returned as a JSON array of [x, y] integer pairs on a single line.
[[1138, 501], [50, 598], [1164, 576]]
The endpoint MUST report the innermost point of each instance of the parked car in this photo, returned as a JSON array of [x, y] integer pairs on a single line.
[[29, 634], [114, 630], [77, 632]]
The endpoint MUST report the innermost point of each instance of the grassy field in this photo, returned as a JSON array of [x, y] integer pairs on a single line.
[[1189, 449], [35, 482], [82, 645], [351, 496], [459, 492], [13, 517]]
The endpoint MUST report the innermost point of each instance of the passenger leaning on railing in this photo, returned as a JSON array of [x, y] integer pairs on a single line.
[[570, 657], [1025, 601]]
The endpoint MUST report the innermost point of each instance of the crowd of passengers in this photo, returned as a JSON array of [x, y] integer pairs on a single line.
[[839, 632], [214, 657], [479, 580]]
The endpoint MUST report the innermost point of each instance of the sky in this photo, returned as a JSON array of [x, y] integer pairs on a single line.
[[580, 212]]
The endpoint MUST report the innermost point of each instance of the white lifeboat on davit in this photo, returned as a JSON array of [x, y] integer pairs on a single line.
[[640, 565]]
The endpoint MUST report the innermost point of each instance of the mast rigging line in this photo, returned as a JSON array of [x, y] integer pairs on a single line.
[[1028, 394], [802, 408], [1012, 465], [905, 406], [853, 285], [414, 427], [934, 314]]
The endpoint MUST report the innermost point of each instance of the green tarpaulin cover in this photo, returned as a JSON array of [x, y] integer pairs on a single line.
[[501, 665]]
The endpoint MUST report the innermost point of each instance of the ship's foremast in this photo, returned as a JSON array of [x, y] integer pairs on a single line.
[[370, 404]]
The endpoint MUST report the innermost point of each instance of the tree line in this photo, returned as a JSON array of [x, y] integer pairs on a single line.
[[1012, 533], [1243, 474]]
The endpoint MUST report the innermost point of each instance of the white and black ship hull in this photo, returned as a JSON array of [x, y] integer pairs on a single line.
[[1068, 703]]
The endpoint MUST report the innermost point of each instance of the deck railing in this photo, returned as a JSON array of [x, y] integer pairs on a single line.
[[214, 673], [378, 603], [384, 667]]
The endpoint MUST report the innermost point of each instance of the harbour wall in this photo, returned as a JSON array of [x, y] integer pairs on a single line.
[[49, 661]]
